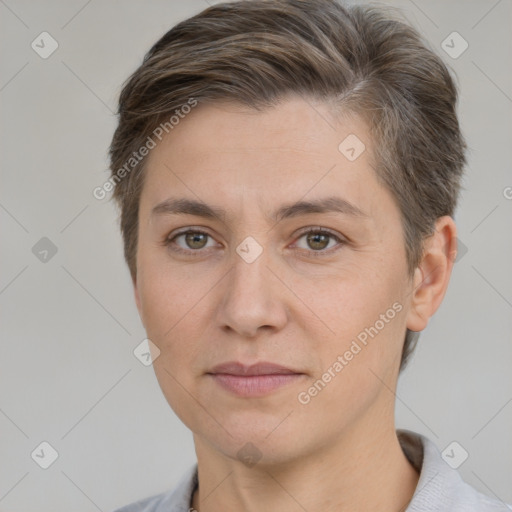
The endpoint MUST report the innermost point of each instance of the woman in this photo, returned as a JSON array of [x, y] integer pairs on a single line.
[[287, 173]]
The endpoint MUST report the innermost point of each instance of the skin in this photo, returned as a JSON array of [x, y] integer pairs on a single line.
[[208, 305]]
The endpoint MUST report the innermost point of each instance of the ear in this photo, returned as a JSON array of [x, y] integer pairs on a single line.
[[432, 275]]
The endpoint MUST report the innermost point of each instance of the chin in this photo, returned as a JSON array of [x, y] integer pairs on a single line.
[[254, 439]]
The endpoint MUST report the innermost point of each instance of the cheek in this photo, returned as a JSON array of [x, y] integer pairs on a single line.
[[359, 317], [166, 321], [168, 295], [347, 304], [172, 323], [174, 307], [358, 361]]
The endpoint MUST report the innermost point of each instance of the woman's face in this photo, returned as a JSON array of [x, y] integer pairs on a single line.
[[247, 284]]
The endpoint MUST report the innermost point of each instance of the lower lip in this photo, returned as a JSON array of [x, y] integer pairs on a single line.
[[254, 385]]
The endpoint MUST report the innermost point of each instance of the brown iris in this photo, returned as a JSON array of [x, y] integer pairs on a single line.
[[318, 241], [196, 240]]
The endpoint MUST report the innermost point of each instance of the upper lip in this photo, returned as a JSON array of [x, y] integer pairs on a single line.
[[262, 368]]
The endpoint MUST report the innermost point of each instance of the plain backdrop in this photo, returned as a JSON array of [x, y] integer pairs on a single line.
[[69, 325]]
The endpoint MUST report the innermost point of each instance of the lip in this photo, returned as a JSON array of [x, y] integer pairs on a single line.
[[253, 380], [261, 368]]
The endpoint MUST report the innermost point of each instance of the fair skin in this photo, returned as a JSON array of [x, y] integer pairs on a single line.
[[299, 304]]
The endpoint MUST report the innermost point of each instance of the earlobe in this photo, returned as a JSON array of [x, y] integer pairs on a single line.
[[433, 273]]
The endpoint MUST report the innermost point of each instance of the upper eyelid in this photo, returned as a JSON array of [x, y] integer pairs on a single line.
[[319, 229]]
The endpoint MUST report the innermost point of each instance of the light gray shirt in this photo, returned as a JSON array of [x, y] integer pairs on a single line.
[[440, 488]]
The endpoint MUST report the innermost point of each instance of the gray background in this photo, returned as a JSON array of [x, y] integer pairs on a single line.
[[68, 375]]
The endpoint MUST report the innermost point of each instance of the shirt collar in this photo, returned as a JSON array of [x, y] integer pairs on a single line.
[[440, 487]]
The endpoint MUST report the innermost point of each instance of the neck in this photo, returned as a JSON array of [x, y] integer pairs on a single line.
[[361, 470]]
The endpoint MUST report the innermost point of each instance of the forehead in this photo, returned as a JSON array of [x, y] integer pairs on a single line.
[[229, 155], [294, 124]]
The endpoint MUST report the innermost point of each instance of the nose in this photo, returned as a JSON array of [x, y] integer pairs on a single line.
[[253, 298]]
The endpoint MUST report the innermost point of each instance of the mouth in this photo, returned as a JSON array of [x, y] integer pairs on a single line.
[[255, 380]]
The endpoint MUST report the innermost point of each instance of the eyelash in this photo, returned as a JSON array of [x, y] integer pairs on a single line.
[[169, 242]]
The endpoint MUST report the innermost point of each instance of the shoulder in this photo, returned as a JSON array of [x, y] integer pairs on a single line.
[[151, 504], [440, 487], [174, 500]]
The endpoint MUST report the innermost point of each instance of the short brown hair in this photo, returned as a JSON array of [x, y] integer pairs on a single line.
[[363, 59]]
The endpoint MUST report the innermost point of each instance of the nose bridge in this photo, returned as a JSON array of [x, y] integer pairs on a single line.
[[251, 299], [250, 272]]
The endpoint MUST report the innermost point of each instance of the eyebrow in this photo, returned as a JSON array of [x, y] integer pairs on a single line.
[[330, 204]]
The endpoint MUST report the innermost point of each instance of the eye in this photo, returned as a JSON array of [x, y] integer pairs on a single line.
[[318, 240], [189, 241]]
